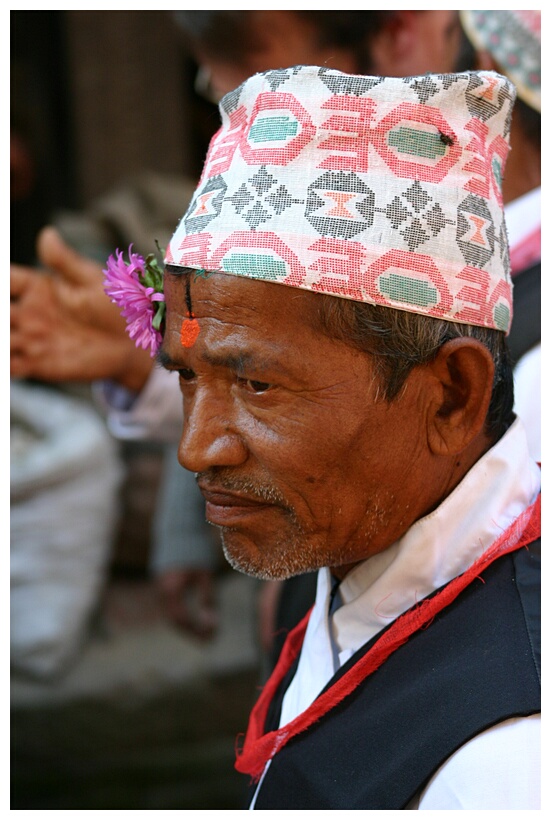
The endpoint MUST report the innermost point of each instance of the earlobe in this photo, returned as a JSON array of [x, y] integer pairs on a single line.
[[464, 371]]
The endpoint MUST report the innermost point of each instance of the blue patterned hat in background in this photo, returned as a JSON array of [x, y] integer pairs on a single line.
[[513, 39]]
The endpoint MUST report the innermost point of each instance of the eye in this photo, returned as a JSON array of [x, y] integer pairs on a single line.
[[186, 374], [256, 386]]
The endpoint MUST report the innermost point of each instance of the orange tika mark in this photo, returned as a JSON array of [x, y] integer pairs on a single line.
[[189, 331]]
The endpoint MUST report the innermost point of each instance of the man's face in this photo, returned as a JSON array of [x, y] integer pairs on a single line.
[[300, 463]]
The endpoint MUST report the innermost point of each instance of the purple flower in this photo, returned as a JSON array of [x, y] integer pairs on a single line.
[[136, 287]]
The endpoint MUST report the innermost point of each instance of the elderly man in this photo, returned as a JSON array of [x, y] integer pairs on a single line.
[[337, 301]]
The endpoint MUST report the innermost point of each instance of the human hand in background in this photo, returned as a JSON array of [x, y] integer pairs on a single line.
[[63, 327]]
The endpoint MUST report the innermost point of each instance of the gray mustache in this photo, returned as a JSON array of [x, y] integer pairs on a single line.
[[256, 490]]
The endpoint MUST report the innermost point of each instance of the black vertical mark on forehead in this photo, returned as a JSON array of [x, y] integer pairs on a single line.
[[176, 270], [188, 296]]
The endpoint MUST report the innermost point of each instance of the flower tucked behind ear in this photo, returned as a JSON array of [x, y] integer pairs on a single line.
[[137, 288]]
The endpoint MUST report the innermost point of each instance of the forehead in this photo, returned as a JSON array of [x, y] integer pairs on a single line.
[[267, 310], [261, 327]]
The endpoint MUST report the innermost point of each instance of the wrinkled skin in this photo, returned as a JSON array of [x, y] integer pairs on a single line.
[[301, 463]]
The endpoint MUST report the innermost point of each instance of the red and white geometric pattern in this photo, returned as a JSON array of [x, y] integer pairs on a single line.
[[384, 190]]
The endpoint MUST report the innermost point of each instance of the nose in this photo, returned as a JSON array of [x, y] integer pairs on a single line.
[[210, 436]]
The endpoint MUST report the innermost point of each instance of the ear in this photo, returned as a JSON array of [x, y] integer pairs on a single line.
[[463, 371]]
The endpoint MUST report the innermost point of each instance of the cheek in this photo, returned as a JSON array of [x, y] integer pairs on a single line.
[[306, 461]]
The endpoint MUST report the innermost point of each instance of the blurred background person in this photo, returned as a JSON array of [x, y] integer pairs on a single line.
[[65, 470]]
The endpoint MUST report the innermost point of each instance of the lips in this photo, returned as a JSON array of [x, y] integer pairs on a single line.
[[227, 509]]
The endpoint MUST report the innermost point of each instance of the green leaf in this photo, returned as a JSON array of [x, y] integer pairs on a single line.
[[153, 274], [159, 315]]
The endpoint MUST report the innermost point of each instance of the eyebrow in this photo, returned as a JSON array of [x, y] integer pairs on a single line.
[[233, 361]]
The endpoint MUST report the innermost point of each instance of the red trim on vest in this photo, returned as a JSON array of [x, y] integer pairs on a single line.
[[259, 748]]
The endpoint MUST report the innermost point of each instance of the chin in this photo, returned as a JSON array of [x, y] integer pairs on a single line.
[[275, 561]]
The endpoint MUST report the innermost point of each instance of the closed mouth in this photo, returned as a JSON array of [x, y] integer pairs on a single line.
[[225, 508]]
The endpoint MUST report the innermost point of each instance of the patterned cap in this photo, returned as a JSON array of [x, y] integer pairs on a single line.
[[513, 38], [378, 189]]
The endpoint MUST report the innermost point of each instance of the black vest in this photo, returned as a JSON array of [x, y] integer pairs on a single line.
[[477, 664]]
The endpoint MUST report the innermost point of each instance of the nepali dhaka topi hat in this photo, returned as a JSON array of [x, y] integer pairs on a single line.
[[378, 189]]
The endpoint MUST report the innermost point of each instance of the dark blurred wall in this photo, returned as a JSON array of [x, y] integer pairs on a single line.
[[96, 97], [41, 162], [127, 81]]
